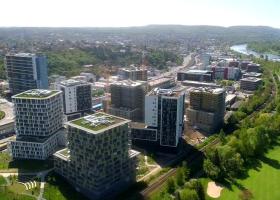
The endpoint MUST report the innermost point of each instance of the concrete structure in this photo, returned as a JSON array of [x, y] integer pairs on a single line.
[[26, 71], [250, 83], [38, 124], [252, 67], [200, 84], [127, 99], [76, 97], [164, 117], [162, 82], [252, 74], [134, 74], [98, 160], [195, 75], [207, 108]]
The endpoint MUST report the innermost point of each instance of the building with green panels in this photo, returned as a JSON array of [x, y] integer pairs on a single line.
[[98, 160]]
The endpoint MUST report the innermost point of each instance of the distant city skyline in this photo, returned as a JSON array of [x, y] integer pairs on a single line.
[[124, 13]]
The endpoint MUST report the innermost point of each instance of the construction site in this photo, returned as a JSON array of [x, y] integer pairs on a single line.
[[206, 109]]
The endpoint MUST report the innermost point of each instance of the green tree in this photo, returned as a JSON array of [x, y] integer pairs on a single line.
[[189, 194], [186, 170], [180, 179], [170, 187], [211, 169]]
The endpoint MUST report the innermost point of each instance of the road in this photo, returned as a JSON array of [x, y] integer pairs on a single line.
[[7, 107]]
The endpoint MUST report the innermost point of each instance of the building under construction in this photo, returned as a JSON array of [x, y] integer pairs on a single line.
[[207, 108], [135, 74], [127, 99]]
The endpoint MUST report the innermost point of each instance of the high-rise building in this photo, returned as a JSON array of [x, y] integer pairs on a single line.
[[98, 160], [77, 97], [207, 108], [38, 124], [26, 71], [127, 99], [164, 118]]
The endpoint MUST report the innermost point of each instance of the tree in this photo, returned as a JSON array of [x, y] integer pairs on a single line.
[[196, 185], [180, 179], [211, 170], [186, 170], [170, 186], [188, 194], [222, 136]]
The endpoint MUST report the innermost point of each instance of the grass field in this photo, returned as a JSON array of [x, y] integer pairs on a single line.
[[263, 181]]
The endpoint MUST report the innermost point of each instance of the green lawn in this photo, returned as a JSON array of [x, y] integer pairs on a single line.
[[263, 181]]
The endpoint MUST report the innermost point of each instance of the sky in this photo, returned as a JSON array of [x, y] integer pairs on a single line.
[[123, 13]]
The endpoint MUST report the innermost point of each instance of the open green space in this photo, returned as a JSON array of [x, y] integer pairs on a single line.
[[7, 163], [262, 180], [2, 114], [57, 188]]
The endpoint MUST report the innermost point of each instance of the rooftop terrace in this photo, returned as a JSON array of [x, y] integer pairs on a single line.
[[97, 123], [36, 94]]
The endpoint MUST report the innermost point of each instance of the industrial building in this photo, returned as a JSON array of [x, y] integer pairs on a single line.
[[38, 124], [127, 99], [134, 74], [195, 75], [164, 118], [76, 97], [98, 161], [26, 71], [207, 108], [250, 83]]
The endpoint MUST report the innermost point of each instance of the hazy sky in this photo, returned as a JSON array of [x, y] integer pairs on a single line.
[[113, 13]]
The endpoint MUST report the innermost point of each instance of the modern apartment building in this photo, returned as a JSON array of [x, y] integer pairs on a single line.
[[134, 74], [77, 98], [98, 160], [207, 108], [250, 83], [127, 99], [164, 118], [26, 71], [38, 124]]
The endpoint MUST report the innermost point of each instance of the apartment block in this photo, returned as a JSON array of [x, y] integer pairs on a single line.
[[127, 99], [207, 108], [195, 75], [164, 118], [250, 83], [252, 67], [98, 160], [26, 71], [38, 124], [77, 98]]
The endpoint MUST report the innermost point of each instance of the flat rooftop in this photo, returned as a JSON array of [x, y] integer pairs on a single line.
[[72, 82], [195, 71], [208, 90], [97, 123], [253, 74], [166, 92], [133, 69], [63, 154], [37, 94], [251, 79], [21, 54], [128, 83]]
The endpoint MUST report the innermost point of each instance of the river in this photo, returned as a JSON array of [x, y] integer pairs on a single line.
[[242, 48]]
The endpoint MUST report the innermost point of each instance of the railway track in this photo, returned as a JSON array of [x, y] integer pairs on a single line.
[[162, 179]]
